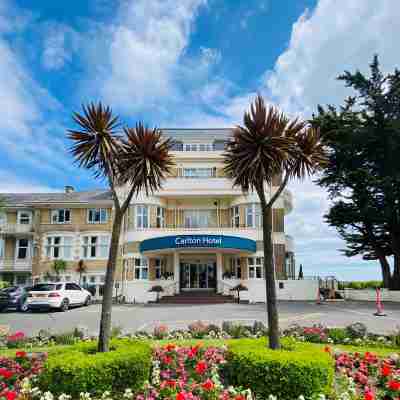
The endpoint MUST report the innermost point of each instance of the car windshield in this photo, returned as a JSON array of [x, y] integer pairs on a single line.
[[45, 287], [10, 289]]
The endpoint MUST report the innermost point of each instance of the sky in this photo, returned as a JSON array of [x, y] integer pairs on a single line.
[[192, 63]]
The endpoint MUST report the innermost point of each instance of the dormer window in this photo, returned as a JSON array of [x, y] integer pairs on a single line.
[[61, 216]]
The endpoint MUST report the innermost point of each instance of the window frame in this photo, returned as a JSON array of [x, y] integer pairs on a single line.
[[18, 247], [56, 213], [253, 215], [88, 246], [236, 267], [160, 217], [28, 213], [235, 217], [142, 215], [50, 247], [140, 268], [94, 212], [256, 264]]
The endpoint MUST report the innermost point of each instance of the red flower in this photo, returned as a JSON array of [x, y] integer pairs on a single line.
[[327, 349], [193, 351], [368, 395], [5, 373], [167, 360], [208, 385], [180, 396], [20, 354], [386, 370], [171, 383], [240, 397], [201, 367], [394, 385], [11, 395]]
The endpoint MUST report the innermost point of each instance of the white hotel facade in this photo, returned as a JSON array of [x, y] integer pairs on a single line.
[[199, 234]]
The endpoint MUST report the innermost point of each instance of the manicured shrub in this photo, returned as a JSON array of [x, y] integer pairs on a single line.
[[80, 368], [299, 369], [337, 335]]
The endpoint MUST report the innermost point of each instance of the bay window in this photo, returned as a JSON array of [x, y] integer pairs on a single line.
[[253, 216], [199, 218], [59, 247], [142, 216], [95, 246]]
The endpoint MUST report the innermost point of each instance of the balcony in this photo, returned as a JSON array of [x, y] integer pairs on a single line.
[[289, 243], [12, 264], [16, 229]]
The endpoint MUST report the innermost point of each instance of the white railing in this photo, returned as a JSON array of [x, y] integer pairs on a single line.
[[15, 228], [15, 264]]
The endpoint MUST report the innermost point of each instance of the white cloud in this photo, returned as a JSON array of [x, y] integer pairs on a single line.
[[141, 55], [10, 183], [59, 43]]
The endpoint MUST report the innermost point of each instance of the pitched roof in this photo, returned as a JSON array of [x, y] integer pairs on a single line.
[[209, 134], [57, 197]]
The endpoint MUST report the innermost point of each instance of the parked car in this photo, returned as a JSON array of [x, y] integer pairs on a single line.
[[14, 297], [59, 295]]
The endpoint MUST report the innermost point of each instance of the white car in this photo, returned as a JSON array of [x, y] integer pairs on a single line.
[[59, 295]]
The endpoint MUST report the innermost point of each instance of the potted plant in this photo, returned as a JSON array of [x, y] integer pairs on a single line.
[[239, 288], [157, 289]]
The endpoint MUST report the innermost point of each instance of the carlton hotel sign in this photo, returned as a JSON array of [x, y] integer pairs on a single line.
[[197, 241]]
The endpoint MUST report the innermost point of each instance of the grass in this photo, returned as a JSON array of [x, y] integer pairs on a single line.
[[380, 351]]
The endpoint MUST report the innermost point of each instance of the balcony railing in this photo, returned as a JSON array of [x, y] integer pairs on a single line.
[[12, 229], [12, 264]]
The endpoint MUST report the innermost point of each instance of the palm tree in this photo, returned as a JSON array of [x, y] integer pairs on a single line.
[[58, 267], [81, 269], [134, 159], [269, 144]]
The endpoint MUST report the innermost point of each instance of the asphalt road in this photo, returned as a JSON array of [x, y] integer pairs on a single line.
[[133, 317]]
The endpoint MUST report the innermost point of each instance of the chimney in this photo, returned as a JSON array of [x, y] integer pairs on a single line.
[[69, 189]]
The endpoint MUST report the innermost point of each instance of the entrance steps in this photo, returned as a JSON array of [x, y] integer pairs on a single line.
[[197, 297]]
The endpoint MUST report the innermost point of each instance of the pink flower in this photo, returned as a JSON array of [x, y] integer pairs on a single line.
[[368, 395]]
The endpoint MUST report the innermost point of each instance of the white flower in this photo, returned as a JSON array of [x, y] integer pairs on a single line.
[[272, 397], [128, 394], [321, 397], [395, 357], [64, 396], [84, 396], [47, 396]]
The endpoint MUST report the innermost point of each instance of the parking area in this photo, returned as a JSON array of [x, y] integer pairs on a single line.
[[134, 317]]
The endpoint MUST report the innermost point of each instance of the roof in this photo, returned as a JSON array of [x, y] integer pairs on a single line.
[[207, 134], [20, 199]]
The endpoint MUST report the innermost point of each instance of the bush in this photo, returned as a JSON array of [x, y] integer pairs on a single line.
[[80, 368], [300, 369], [337, 335]]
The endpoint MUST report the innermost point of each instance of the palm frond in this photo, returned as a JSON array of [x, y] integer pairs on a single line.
[[96, 143], [145, 160]]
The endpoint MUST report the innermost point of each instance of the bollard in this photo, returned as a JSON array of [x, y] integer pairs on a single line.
[[379, 306]]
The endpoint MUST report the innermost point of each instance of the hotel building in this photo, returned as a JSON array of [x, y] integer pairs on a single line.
[[197, 234]]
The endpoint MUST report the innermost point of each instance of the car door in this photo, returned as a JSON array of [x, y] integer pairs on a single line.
[[80, 294], [70, 291]]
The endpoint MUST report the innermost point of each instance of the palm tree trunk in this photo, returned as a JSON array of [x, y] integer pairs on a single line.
[[269, 273], [105, 322]]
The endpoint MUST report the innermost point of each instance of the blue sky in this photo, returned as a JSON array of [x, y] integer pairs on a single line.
[[192, 63]]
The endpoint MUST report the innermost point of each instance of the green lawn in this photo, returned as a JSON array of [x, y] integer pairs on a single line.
[[218, 342]]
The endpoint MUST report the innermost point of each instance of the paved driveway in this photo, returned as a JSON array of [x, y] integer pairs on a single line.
[[131, 318]]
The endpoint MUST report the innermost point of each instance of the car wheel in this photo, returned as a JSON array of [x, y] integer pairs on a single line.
[[64, 305], [87, 301], [23, 307]]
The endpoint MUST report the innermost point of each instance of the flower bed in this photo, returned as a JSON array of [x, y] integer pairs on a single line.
[[14, 370], [368, 376], [184, 373]]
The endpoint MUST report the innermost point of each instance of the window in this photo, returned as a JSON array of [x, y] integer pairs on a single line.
[[198, 147], [235, 217], [141, 268], [60, 216], [3, 217], [59, 247], [199, 218], [142, 216], [253, 216], [159, 268], [256, 267], [160, 219], [95, 246], [97, 215], [2, 243], [199, 172], [72, 286], [22, 249], [24, 217], [236, 269]]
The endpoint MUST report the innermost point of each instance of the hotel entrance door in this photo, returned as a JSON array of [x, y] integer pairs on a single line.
[[198, 275]]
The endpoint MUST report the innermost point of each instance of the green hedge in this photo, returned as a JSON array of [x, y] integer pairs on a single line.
[[79, 368], [302, 369]]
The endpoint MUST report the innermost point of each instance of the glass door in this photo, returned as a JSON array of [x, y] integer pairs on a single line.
[[198, 275]]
